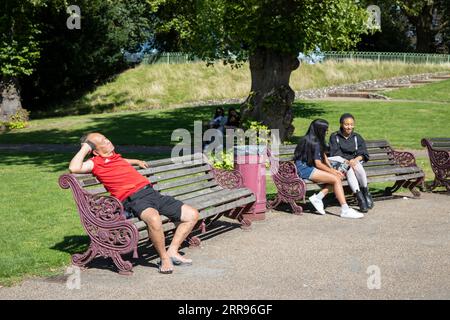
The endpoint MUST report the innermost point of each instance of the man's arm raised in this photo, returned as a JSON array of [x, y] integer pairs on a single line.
[[77, 165]]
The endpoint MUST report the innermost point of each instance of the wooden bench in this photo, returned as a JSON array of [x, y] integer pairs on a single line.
[[439, 155], [190, 178], [385, 164]]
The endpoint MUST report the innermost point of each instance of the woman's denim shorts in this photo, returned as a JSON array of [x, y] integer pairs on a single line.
[[303, 170]]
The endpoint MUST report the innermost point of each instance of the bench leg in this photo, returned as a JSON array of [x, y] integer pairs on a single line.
[[390, 190], [272, 204], [125, 267], [439, 183], [434, 185], [82, 259], [238, 214], [194, 242], [296, 209], [413, 187]]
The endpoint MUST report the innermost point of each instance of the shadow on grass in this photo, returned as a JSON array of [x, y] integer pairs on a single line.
[[137, 128], [148, 257], [57, 162], [52, 162], [306, 110]]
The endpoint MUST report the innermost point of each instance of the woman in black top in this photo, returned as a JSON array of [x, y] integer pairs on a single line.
[[349, 148]]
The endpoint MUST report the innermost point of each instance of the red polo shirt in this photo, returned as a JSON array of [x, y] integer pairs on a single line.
[[118, 176]]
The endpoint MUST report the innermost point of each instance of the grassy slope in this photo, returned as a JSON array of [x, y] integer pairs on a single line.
[[436, 92], [164, 85]]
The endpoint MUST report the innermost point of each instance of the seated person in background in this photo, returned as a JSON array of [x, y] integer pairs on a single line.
[[233, 119], [137, 196], [218, 120]]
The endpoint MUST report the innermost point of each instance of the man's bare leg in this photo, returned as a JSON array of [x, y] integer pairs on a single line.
[[156, 234], [189, 217]]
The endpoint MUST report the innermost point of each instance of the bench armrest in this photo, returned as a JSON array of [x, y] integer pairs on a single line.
[[404, 158], [102, 218], [228, 179], [289, 185], [104, 208]]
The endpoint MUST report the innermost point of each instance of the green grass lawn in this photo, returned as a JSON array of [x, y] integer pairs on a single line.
[[436, 92], [402, 123]]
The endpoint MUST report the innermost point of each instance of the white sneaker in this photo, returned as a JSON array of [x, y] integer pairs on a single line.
[[350, 213], [317, 203]]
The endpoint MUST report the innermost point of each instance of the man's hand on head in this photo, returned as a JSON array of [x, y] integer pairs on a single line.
[[87, 146]]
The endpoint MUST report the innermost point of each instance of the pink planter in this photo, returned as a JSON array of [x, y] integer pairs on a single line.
[[251, 165]]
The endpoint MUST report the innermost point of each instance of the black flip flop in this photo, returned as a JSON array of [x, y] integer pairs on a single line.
[[163, 272]]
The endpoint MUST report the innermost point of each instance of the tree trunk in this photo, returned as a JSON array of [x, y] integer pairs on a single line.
[[424, 31], [10, 102], [271, 97]]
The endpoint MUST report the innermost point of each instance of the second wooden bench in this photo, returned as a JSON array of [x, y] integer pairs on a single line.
[[385, 165]]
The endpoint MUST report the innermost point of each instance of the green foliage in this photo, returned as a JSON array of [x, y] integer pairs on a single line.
[[19, 47], [223, 160], [416, 17], [257, 131], [233, 30], [393, 36], [88, 56], [19, 120]]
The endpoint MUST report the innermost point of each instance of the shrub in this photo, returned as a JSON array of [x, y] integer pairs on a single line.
[[223, 160], [19, 120]]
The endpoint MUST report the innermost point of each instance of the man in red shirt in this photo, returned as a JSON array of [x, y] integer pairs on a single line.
[[137, 195]]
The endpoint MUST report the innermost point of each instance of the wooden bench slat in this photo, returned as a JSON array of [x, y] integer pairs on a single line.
[[164, 168], [169, 161], [190, 188], [181, 182], [97, 191], [390, 170], [380, 156], [395, 178], [227, 206], [378, 151], [439, 144], [310, 186], [198, 193], [217, 198], [377, 143], [178, 173], [378, 163]]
